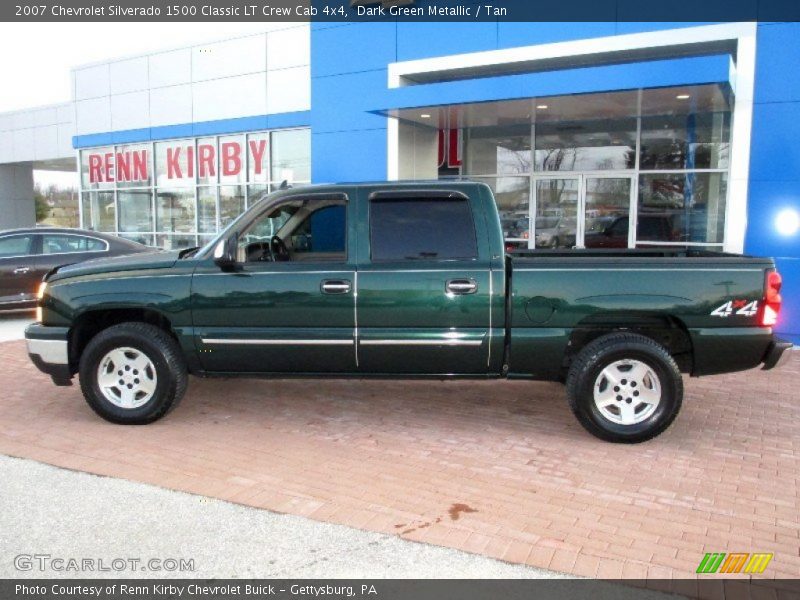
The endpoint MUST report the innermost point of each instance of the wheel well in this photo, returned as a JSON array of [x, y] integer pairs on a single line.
[[666, 330], [90, 323]]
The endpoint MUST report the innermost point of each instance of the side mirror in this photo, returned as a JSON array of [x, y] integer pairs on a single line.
[[225, 252]]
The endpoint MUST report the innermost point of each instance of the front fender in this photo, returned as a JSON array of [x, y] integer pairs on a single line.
[[169, 295]]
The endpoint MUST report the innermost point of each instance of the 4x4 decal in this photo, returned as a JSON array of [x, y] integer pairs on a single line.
[[745, 308]]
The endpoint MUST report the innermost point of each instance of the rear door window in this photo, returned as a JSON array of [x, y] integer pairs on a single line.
[[420, 228], [67, 244]]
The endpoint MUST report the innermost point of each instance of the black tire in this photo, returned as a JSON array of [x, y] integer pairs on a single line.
[[605, 351], [165, 355]]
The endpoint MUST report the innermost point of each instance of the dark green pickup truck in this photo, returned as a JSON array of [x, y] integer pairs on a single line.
[[405, 280]]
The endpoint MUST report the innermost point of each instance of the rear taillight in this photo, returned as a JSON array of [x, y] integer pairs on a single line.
[[772, 299]]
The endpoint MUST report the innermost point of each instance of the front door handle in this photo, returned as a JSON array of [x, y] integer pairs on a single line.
[[22, 270], [461, 286], [336, 286]]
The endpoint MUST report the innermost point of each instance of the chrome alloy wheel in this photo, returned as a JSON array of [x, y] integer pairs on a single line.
[[627, 392], [127, 377]]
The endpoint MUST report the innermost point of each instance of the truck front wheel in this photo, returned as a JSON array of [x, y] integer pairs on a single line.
[[624, 387], [132, 373]]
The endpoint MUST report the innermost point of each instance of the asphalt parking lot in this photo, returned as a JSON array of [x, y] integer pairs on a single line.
[[499, 469]]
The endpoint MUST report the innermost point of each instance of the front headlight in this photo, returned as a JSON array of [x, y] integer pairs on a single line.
[[40, 294]]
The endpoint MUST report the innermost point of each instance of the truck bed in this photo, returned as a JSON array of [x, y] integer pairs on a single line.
[[703, 305]]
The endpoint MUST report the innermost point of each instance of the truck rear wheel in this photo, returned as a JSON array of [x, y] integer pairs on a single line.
[[132, 373], [624, 387]]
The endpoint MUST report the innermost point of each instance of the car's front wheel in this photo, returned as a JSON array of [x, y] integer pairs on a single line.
[[132, 373], [625, 387]]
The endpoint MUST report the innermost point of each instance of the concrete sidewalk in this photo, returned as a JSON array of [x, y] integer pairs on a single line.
[[67, 514]]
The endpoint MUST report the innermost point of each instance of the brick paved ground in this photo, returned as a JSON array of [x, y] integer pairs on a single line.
[[496, 468]]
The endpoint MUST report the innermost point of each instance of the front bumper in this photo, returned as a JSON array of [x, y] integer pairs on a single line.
[[48, 349], [776, 354]]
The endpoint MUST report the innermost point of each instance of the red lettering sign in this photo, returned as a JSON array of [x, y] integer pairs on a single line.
[[140, 165], [231, 159], [123, 167], [134, 165], [205, 158], [95, 166], [173, 168], [176, 165], [123, 163], [257, 149], [108, 166], [454, 150], [190, 161], [449, 154]]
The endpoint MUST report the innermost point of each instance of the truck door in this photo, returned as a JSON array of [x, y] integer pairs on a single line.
[[288, 306], [423, 285]]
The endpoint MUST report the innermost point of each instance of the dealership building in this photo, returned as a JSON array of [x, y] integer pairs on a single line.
[[602, 134]]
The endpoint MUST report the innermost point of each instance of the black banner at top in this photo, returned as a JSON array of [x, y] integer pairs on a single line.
[[349, 11]]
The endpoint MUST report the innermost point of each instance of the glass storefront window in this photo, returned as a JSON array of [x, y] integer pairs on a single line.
[[99, 211], [231, 203], [206, 151], [683, 208], [255, 193], [585, 145], [694, 141], [97, 169], [172, 187], [135, 210], [176, 242], [175, 163], [498, 150], [291, 155], [586, 174], [608, 202], [207, 209], [556, 212], [258, 150], [513, 196], [132, 166], [175, 209], [232, 157], [141, 238]]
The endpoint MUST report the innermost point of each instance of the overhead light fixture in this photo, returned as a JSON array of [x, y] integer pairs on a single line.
[[682, 96], [424, 116], [542, 107]]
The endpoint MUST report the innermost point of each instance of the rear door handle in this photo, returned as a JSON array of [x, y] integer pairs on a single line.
[[22, 270], [461, 286], [336, 286]]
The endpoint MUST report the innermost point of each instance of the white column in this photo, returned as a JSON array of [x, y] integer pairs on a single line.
[[741, 126]]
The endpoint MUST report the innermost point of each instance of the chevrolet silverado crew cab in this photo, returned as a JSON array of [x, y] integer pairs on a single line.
[[405, 280]]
